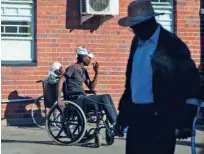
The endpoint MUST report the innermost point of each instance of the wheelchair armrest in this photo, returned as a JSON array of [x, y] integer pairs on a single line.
[[90, 92], [74, 93]]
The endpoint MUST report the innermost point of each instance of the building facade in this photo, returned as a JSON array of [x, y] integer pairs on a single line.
[[34, 34]]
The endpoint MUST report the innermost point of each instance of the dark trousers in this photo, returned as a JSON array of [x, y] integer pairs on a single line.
[[100, 101], [150, 131], [146, 142]]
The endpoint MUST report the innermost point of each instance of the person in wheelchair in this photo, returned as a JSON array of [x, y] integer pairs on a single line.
[[74, 77], [50, 83], [54, 73]]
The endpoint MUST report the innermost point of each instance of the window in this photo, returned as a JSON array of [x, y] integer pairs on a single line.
[[17, 31], [164, 6]]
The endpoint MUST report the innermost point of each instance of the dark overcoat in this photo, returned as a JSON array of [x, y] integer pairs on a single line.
[[175, 79]]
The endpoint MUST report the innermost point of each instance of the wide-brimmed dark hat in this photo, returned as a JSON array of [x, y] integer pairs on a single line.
[[138, 12]]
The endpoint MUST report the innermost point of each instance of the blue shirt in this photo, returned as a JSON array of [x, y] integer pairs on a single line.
[[141, 78]]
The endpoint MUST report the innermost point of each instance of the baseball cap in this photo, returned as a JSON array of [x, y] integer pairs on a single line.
[[84, 51]]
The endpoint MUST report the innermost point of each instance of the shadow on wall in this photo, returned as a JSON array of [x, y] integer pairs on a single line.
[[16, 113], [73, 18]]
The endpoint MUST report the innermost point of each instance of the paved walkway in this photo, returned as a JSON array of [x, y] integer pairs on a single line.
[[36, 141]]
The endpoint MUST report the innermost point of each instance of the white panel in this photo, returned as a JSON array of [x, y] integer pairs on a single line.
[[2, 10], [16, 50], [17, 5], [24, 11], [10, 18], [12, 11]]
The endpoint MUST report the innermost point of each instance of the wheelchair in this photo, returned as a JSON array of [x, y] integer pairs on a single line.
[[78, 125], [193, 134], [43, 103]]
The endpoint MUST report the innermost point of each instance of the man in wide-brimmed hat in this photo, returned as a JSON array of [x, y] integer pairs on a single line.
[[161, 88]]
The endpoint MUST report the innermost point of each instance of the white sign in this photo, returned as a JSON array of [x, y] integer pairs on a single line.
[[202, 11]]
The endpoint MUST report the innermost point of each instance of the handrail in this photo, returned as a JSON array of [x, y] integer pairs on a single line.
[[17, 100]]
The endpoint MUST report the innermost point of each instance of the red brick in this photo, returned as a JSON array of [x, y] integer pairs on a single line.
[[110, 44]]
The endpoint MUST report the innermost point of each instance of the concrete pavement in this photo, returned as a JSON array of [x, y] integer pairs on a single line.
[[17, 140]]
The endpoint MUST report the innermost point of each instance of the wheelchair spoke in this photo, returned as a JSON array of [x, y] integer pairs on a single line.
[[58, 122], [72, 113], [75, 129], [68, 132], [70, 123], [56, 117], [59, 133]]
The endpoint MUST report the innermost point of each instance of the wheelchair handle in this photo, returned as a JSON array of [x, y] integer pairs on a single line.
[[74, 93], [39, 81]]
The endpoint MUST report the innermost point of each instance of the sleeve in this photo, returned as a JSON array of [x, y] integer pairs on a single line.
[[190, 81], [69, 72], [190, 77]]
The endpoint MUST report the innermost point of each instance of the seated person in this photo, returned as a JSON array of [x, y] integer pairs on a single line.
[[74, 77], [55, 71], [50, 84]]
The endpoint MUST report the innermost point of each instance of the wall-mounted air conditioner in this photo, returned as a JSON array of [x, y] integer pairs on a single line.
[[99, 7]]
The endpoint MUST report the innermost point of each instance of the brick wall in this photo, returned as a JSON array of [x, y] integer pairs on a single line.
[[58, 33], [187, 25]]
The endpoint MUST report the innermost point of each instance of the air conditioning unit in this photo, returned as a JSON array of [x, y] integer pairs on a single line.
[[99, 7]]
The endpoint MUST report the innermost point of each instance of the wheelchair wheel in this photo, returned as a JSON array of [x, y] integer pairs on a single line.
[[97, 140], [56, 116], [70, 127], [38, 112], [109, 137]]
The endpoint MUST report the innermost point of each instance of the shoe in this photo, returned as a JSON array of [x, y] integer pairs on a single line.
[[184, 133], [118, 131]]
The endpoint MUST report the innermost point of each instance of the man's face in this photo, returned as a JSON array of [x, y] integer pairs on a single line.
[[137, 29], [143, 29], [87, 60]]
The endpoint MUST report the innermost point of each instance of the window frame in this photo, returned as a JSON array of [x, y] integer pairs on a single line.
[[32, 37]]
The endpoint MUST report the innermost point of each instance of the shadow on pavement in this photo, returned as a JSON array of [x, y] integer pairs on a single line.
[[201, 152], [188, 143], [26, 141], [86, 145]]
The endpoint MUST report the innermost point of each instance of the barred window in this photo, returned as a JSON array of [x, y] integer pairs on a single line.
[[17, 30]]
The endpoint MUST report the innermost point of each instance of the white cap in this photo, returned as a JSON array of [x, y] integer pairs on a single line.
[[84, 51]]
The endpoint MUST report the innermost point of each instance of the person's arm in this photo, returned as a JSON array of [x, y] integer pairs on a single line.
[[68, 73], [60, 85], [92, 84], [190, 78], [190, 82]]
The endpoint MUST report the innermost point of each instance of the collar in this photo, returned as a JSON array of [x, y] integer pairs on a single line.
[[155, 36]]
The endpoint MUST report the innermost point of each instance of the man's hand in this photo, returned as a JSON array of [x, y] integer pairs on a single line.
[[95, 67], [60, 103]]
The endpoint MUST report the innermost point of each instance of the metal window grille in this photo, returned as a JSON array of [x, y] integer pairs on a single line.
[[165, 6]]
